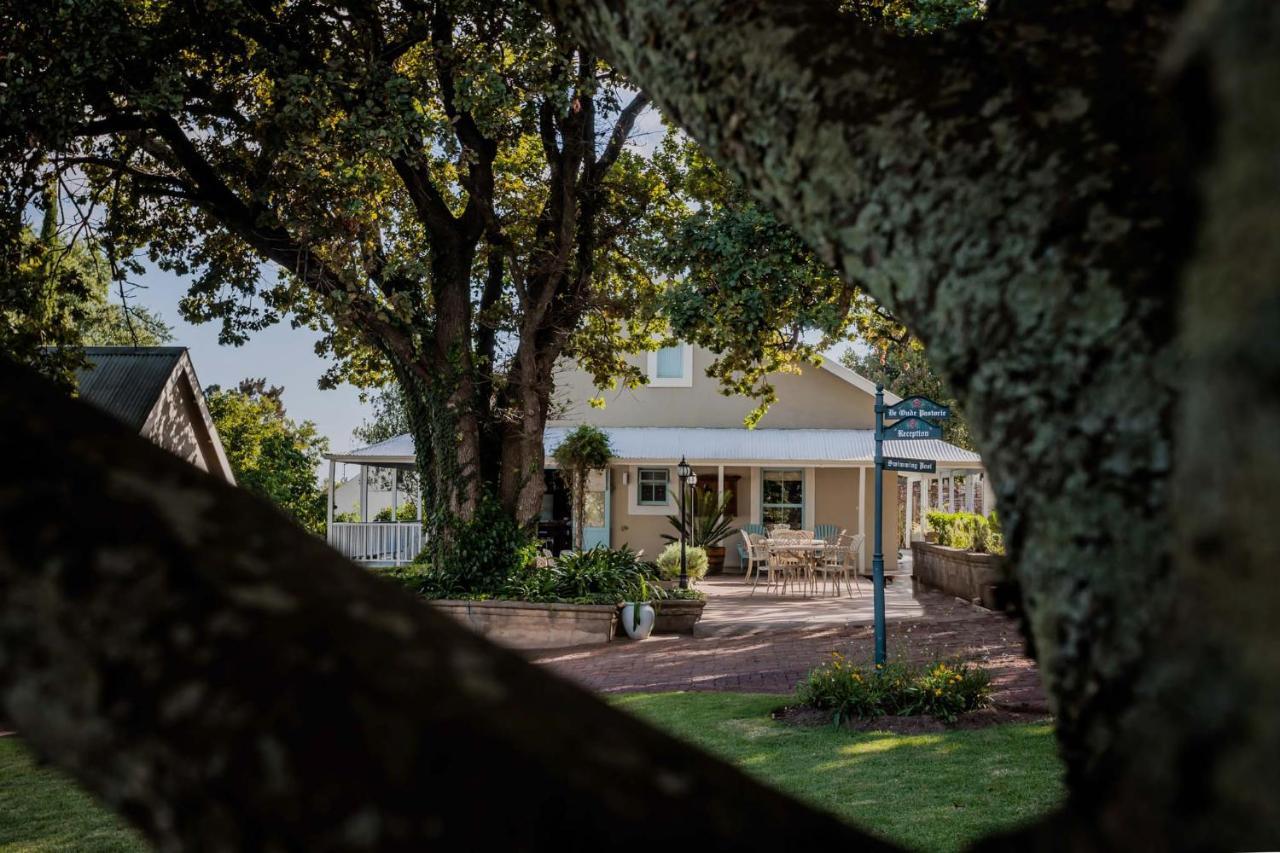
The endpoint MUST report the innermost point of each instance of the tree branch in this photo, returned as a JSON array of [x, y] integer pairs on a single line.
[[618, 138], [224, 680]]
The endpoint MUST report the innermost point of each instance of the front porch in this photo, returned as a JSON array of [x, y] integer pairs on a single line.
[[811, 479]]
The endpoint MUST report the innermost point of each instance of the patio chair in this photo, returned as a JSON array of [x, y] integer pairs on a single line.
[[744, 547], [828, 532], [744, 554], [837, 565], [763, 558], [856, 542], [789, 565]]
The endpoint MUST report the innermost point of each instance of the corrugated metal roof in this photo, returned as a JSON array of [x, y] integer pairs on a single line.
[[126, 381], [668, 444]]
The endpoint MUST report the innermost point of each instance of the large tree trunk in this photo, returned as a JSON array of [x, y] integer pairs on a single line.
[[226, 682], [1021, 193]]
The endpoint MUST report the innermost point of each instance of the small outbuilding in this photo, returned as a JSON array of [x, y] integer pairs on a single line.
[[154, 390]]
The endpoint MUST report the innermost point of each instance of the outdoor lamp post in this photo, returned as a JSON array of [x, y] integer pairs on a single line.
[[683, 473]]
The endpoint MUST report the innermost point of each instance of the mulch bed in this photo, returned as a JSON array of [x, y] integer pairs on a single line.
[[806, 717]]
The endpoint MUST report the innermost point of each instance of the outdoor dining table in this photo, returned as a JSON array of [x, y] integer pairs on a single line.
[[808, 550]]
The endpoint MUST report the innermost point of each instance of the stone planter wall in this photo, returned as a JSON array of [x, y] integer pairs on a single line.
[[526, 625], [677, 616], [964, 574]]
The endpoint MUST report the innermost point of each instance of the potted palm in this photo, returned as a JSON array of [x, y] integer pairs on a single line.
[[710, 523]]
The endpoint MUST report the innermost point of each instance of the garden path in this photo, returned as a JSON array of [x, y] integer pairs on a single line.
[[767, 644]]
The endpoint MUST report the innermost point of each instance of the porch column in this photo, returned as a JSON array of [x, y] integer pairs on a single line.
[[809, 513], [364, 493], [906, 526], [719, 483], [970, 478], [862, 512], [925, 484], [328, 524], [395, 494], [753, 511], [988, 495]]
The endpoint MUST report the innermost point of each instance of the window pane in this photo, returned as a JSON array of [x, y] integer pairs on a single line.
[[653, 485], [594, 506], [670, 363], [783, 497], [790, 516]]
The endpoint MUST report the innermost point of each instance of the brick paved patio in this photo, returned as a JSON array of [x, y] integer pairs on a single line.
[[771, 655]]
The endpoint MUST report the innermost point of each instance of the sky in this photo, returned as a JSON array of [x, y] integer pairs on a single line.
[[281, 354]]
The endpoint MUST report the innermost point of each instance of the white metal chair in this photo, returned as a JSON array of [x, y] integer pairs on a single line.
[[838, 564], [763, 558]]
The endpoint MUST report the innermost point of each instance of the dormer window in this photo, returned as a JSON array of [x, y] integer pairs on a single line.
[[671, 367]]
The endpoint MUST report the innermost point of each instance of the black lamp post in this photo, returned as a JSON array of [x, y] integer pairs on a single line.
[[683, 473]]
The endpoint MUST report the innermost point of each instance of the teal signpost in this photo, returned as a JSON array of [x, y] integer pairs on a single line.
[[913, 466], [912, 428], [911, 425], [918, 407]]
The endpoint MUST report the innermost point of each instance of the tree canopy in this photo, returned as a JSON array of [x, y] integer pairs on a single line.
[[55, 297], [444, 190], [903, 367], [271, 454]]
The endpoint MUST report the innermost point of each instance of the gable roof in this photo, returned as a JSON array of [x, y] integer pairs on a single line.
[[129, 384], [857, 380], [126, 382]]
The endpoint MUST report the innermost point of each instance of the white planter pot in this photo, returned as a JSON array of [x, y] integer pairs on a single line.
[[637, 629]]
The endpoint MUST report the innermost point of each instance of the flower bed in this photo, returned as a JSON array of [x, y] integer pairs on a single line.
[[942, 690], [572, 601]]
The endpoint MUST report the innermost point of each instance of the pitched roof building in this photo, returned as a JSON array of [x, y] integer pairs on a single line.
[[154, 390]]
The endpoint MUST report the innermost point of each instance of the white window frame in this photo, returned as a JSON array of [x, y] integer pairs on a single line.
[[634, 507], [685, 380], [666, 487]]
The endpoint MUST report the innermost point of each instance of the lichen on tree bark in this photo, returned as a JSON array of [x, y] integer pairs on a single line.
[[1021, 193]]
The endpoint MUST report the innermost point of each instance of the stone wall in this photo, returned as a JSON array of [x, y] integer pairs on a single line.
[[964, 574]]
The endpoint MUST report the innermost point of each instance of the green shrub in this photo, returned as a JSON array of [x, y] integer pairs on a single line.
[[413, 577], [941, 690], [669, 562], [404, 512], [967, 530], [478, 556], [597, 576]]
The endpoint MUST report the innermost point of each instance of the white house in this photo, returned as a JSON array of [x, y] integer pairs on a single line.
[[808, 463]]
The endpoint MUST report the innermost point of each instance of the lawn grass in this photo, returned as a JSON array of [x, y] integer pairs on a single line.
[[42, 812], [928, 792]]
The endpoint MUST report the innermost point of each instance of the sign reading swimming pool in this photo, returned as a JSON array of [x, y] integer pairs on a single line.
[[911, 429], [918, 407], [915, 466]]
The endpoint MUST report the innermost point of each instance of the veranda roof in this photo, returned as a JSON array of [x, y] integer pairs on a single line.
[[703, 445]]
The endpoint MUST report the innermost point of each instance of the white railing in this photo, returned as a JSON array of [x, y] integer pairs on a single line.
[[385, 543]]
